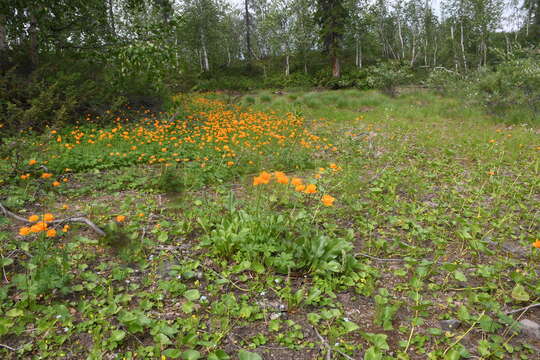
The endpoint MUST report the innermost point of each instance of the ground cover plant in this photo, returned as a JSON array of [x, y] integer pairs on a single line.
[[273, 225]]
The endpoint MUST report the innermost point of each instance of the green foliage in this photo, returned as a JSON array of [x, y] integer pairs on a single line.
[[513, 87], [281, 242]]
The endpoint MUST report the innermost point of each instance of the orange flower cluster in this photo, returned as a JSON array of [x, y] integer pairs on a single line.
[[40, 226], [215, 132], [536, 244], [299, 186]]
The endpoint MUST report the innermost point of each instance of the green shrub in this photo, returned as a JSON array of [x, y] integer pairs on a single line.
[[513, 87]]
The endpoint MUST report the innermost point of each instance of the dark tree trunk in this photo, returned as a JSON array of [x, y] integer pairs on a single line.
[[33, 46]]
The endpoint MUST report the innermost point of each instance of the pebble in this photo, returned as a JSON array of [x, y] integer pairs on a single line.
[[530, 328], [449, 325]]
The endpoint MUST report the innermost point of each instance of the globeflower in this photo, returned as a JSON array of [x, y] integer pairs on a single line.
[[296, 181], [311, 189], [48, 217], [40, 226], [120, 218], [51, 233], [300, 187], [32, 162], [33, 218], [46, 175], [536, 244], [56, 183], [328, 200], [25, 230]]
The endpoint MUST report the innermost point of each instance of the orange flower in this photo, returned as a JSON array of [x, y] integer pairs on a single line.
[[492, 141], [51, 233], [328, 200], [65, 228], [33, 218], [65, 206], [536, 244], [282, 178], [317, 176], [32, 162], [120, 218], [48, 217], [300, 187], [230, 163], [40, 226], [296, 181], [265, 177], [25, 230], [46, 175], [311, 189], [25, 176], [56, 183], [491, 173]]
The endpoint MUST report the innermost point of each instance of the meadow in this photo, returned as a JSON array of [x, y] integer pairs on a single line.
[[273, 225]]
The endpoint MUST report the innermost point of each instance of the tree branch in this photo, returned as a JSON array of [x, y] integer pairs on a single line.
[[74, 219]]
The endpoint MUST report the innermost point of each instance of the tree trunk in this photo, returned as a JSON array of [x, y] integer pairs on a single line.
[[248, 37], [111, 17], [401, 40], [32, 32], [413, 48], [287, 67], [3, 40], [336, 67], [454, 56], [463, 47], [206, 65]]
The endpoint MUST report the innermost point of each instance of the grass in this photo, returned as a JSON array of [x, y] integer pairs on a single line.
[[434, 218]]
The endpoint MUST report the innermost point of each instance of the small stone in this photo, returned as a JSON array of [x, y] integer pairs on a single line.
[[530, 328], [449, 325], [275, 316]]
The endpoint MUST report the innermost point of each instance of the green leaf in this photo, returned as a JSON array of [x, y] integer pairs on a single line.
[[172, 353], [350, 326], [6, 261], [247, 355], [519, 293], [191, 355], [372, 354], [15, 313], [118, 335], [218, 355], [192, 294], [458, 275]]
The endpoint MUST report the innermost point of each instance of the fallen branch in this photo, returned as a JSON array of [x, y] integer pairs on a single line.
[[524, 309], [325, 344], [10, 348], [74, 219]]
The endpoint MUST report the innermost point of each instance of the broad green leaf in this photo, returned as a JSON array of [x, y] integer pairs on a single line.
[[519, 293], [247, 355], [373, 354], [458, 275], [191, 355], [172, 353], [218, 355], [118, 335], [15, 313], [192, 294], [350, 326]]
